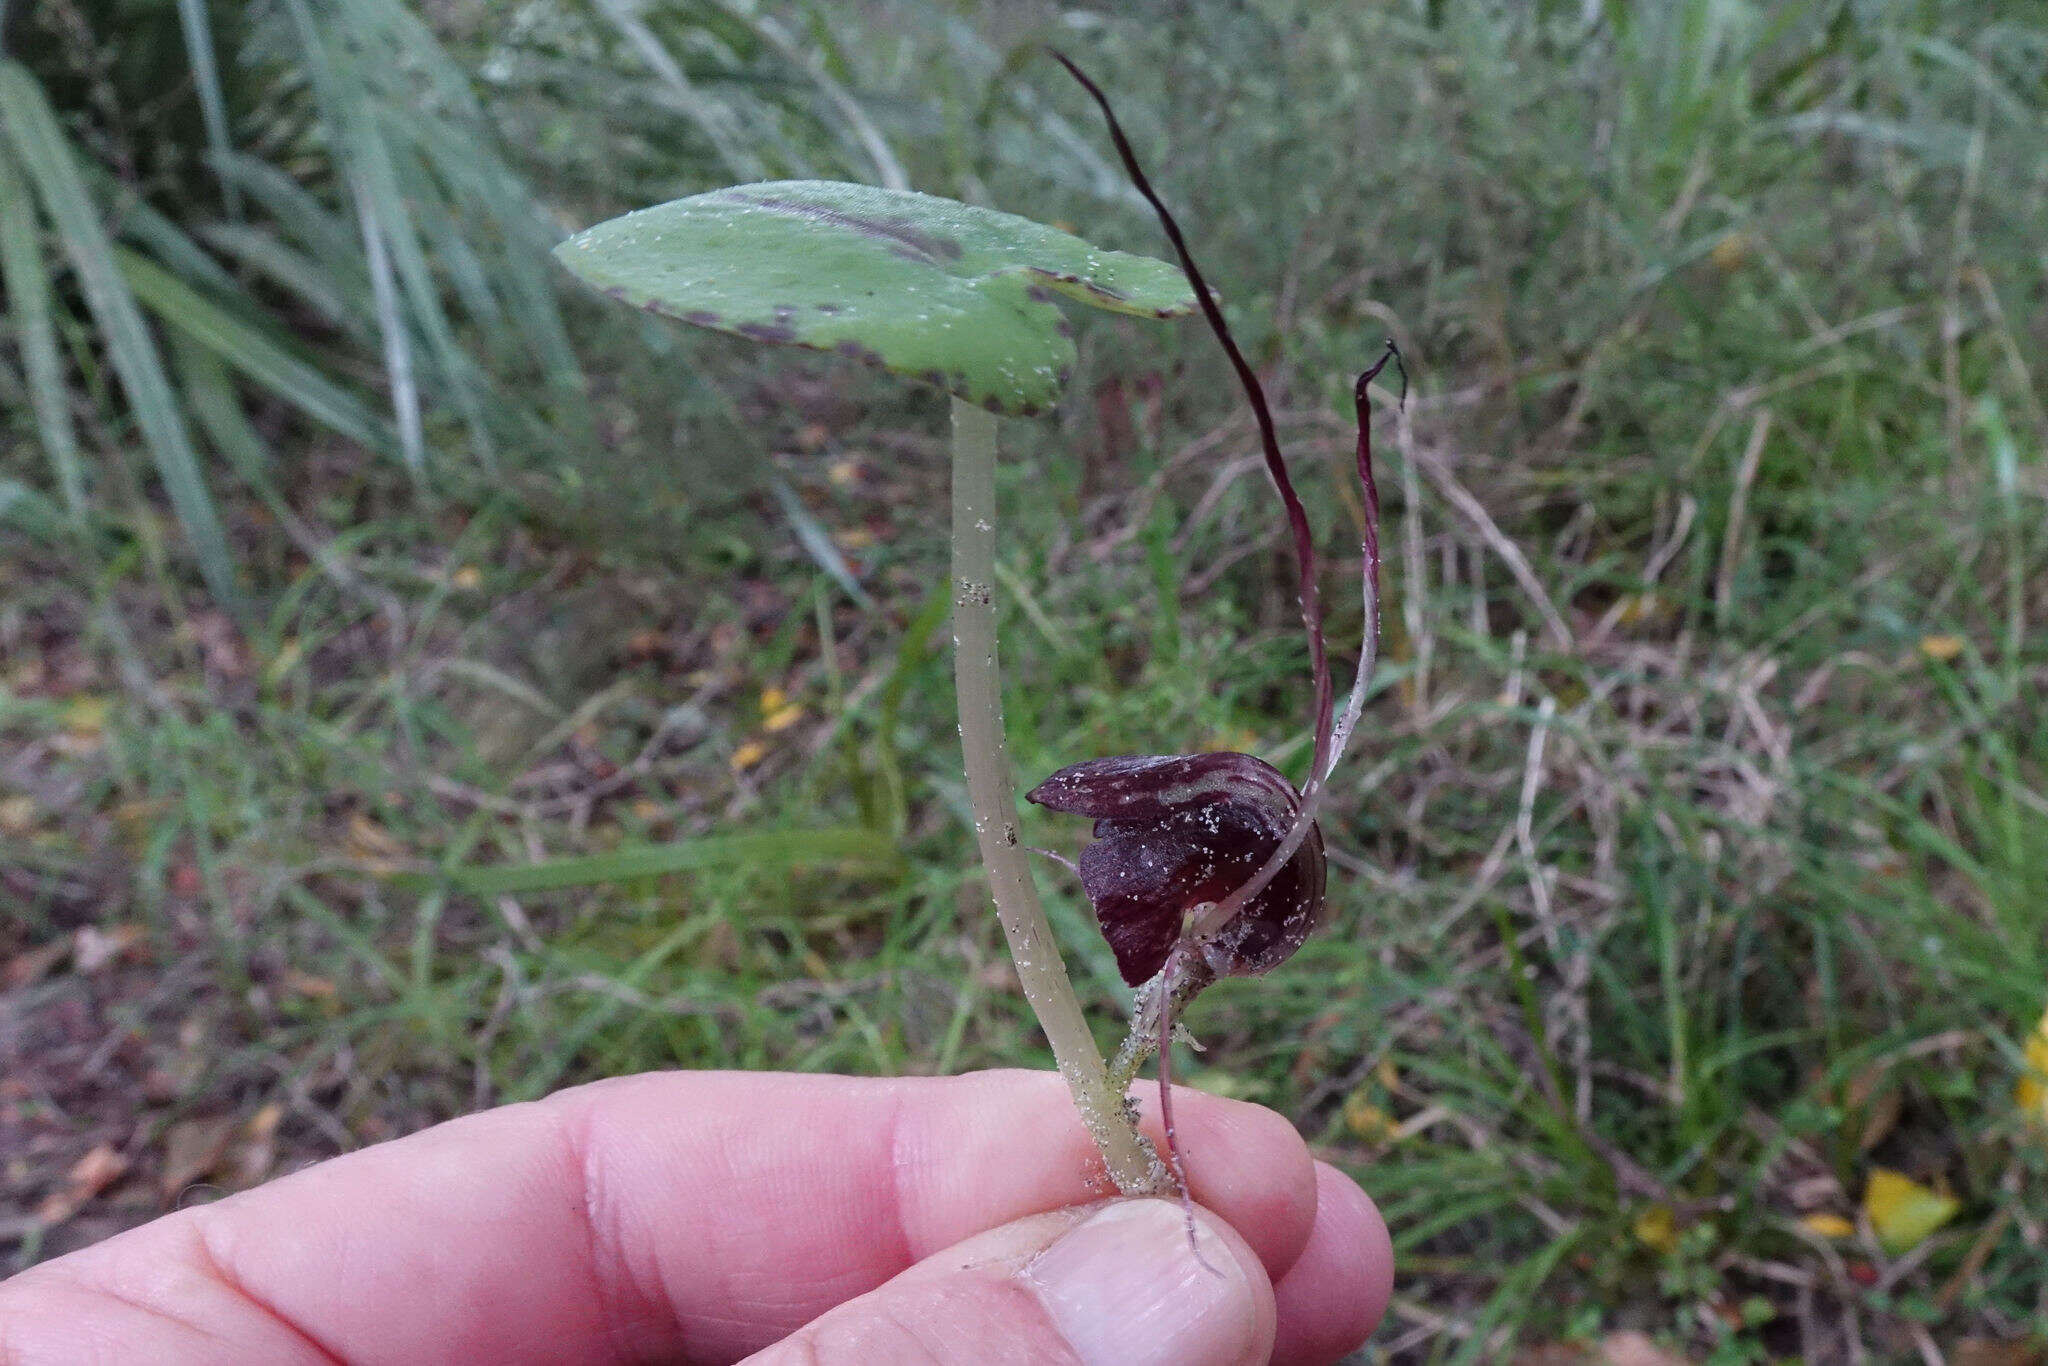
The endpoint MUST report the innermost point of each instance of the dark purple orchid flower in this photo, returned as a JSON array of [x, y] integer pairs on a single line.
[[1173, 832], [1211, 865]]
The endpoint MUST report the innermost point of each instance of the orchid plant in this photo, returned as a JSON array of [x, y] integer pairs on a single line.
[[1211, 865], [1202, 865]]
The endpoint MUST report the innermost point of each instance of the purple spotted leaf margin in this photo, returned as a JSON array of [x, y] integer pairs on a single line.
[[1212, 865]]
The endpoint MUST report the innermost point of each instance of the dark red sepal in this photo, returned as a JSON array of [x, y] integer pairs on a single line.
[[1175, 831]]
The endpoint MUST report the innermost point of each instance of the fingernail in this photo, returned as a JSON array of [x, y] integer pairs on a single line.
[[1124, 1288]]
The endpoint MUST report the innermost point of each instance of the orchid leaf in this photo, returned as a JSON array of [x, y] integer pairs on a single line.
[[957, 296]]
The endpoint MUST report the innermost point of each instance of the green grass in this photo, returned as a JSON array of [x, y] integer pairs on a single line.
[[1685, 873]]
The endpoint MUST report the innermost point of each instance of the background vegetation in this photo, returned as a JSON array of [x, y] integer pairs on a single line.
[[422, 686]]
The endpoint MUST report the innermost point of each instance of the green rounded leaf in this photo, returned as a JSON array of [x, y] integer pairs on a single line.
[[954, 295]]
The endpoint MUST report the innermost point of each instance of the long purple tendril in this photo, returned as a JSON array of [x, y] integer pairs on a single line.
[[1330, 740], [1255, 393]]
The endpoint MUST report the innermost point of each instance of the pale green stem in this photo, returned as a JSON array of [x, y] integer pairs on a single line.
[[977, 681], [1143, 1040]]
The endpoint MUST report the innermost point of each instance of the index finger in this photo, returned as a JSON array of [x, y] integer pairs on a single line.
[[691, 1215]]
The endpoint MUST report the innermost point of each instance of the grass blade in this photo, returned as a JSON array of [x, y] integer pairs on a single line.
[[452, 172], [523, 271], [247, 349], [218, 410], [1502, 1309], [405, 392], [711, 116], [775, 850], [32, 310], [133, 222], [317, 228], [346, 105], [213, 109], [817, 542], [24, 508], [332, 288], [44, 152], [888, 170]]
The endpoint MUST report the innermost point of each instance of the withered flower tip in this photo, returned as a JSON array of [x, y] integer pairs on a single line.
[[1174, 832]]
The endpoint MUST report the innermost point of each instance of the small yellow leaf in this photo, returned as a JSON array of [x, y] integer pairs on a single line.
[[1827, 1226], [854, 538], [782, 718], [1903, 1211], [1369, 1121], [843, 472], [2031, 1098], [747, 755], [371, 845], [84, 722], [85, 716], [2031, 1095], [1941, 648], [1657, 1229], [17, 814], [90, 1175], [773, 700], [307, 985], [192, 1149], [467, 577], [1642, 609], [264, 1122], [254, 1150], [1730, 252], [370, 838]]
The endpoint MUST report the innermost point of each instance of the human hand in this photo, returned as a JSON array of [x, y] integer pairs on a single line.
[[702, 1216]]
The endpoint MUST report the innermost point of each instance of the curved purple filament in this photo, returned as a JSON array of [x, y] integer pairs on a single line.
[[1219, 914], [1255, 394]]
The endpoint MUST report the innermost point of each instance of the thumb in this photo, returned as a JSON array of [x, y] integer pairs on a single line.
[[1109, 1283]]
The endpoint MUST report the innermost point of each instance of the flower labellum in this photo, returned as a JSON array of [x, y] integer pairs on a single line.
[[1174, 832]]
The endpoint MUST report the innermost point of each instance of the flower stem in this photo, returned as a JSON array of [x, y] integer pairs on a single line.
[[977, 681]]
